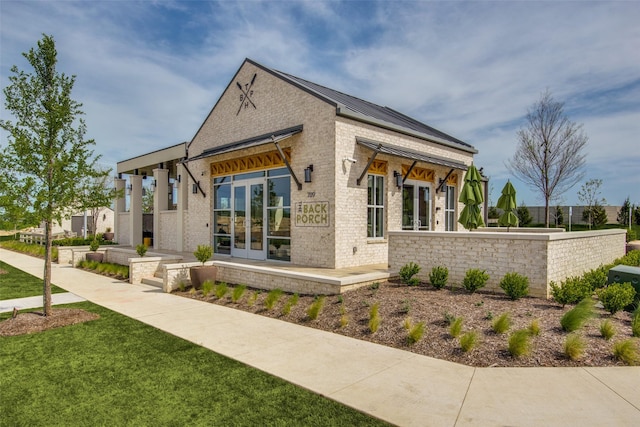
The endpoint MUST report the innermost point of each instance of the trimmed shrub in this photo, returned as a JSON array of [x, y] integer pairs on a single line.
[[502, 323], [575, 318], [607, 330], [626, 351], [519, 343], [570, 291], [439, 276], [616, 296], [596, 278], [574, 346], [407, 272], [141, 250], [515, 285], [469, 341], [474, 279], [635, 322]]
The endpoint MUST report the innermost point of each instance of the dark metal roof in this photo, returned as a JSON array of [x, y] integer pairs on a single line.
[[278, 135], [362, 110], [409, 154]]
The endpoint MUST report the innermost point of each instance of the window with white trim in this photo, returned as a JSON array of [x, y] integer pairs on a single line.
[[450, 209], [375, 206]]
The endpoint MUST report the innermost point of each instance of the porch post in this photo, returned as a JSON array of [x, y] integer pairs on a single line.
[[181, 206], [120, 205], [160, 202], [135, 210]]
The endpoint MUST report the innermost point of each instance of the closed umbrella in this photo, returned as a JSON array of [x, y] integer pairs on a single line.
[[471, 196], [507, 202]]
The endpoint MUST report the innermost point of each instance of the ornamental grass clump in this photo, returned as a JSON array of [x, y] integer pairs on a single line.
[[221, 290], [515, 285], [315, 308], [607, 330], [626, 352], [474, 279], [253, 298], [469, 341], [534, 328], [374, 317], [502, 324], [456, 327], [407, 272], [574, 346], [237, 293], [439, 276], [575, 318], [344, 317], [207, 287], [519, 343], [292, 301], [415, 333], [616, 296], [272, 298]]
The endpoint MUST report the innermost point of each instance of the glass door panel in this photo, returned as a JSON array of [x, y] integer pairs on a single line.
[[416, 207], [239, 221], [257, 220]]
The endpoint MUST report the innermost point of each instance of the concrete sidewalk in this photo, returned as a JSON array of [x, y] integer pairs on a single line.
[[35, 302], [394, 385]]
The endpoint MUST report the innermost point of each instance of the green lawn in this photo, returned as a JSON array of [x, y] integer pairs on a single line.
[[18, 284], [117, 371]]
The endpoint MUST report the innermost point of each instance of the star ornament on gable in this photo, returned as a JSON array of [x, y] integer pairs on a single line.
[[247, 93]]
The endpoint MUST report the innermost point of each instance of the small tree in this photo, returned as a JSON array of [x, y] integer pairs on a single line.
[[589, 195], [47, 158], [558, 216], [623, 213], [524, 216], [550, 152]]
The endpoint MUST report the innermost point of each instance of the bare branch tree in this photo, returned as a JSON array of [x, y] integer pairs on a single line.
[[550, 154]]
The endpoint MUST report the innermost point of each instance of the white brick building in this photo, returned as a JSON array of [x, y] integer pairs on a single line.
[[286, 170]]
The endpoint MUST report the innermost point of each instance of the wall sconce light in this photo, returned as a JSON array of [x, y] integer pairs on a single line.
[[194, 188], [154, 184], [129, 188], [307, 173], [179, 177], [398, 177]]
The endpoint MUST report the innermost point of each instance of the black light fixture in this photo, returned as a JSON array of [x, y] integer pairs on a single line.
[[194, 188], [155, 184], [307, 173], [129, 188], [398, 177]]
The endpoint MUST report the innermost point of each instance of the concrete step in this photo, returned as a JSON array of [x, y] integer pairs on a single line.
[[153, 281], [158, 274]]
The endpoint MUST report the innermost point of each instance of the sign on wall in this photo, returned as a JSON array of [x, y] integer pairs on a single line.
[[312, 214]]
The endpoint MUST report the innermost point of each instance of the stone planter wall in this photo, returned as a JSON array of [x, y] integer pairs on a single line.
[[542, 257]]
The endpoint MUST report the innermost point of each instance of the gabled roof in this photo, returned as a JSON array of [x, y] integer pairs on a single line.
[[365, 111]]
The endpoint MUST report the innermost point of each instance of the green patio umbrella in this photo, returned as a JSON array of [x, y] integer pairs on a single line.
[[507, 202], [471, 196]]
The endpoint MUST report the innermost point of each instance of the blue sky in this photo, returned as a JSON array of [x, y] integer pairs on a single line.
[[148, 72]]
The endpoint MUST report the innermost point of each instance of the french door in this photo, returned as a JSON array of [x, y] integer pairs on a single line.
[[416, 206], [248, 219]]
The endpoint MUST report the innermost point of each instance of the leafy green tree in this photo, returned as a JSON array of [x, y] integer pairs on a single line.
[[47, 156], [623, 213], [551, 151], [596, 216], [147, 201], [524, 216]]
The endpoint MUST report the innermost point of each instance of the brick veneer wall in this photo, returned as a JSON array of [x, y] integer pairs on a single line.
[[167, 235], [122, 229], [540, 257]]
